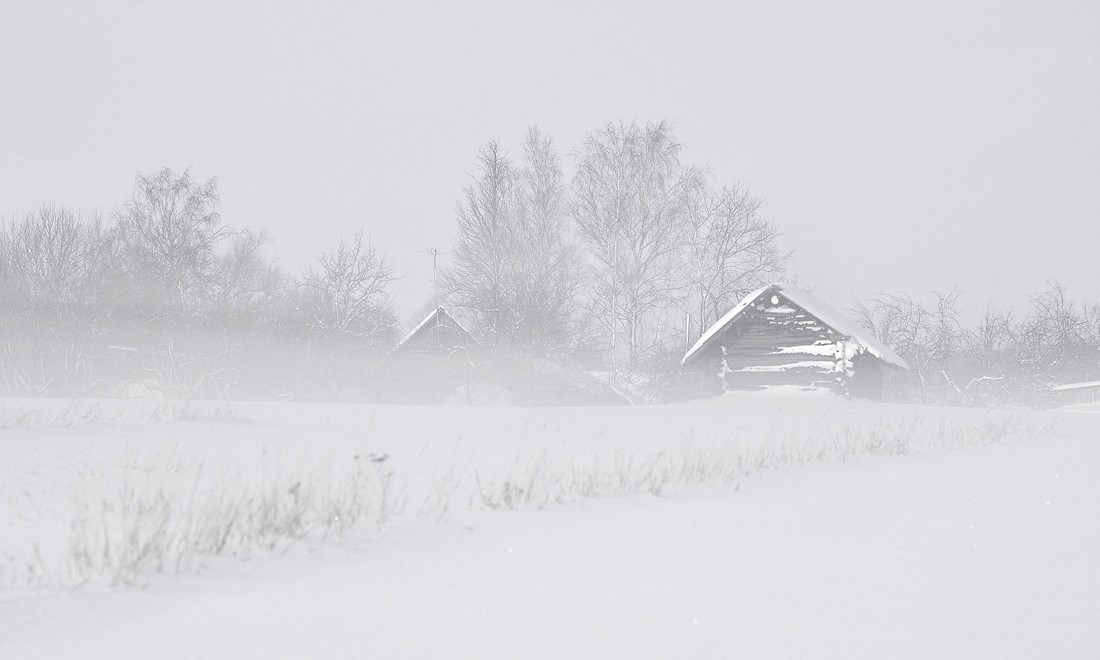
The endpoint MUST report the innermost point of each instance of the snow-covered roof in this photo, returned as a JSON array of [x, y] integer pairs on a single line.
[[420, 326], [428, 319], [1077, 386], [820, 310]]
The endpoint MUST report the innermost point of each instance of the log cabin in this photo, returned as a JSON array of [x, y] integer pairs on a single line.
[[780, 335], [439, 361]]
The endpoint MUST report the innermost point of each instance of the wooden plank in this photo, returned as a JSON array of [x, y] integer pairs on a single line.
[[748, 381]]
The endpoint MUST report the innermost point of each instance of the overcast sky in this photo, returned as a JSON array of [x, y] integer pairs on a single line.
[[900, 145]]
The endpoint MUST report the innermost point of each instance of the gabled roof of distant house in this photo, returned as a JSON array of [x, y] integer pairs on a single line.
[[438, 317], [822, 311]]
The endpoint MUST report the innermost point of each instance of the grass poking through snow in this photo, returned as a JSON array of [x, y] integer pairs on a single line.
[[17, 414], [135, 520]]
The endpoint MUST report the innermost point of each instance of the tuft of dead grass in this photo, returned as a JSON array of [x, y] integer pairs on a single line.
[[21, 414], [168, 519], [145, 528], [543, 482]]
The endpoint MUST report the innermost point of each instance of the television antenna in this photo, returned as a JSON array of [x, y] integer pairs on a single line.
[[435, 261]]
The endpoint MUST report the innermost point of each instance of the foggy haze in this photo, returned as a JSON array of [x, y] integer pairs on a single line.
[[576, 330], [887, 139]]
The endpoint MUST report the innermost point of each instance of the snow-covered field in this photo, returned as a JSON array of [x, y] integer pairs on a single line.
[[749, 526]]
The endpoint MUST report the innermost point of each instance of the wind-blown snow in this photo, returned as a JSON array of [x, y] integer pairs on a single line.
[[984, 552], [790, 366], [826, 350]]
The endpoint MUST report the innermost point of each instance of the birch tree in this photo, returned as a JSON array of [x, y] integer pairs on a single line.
[[477, 279], [170, 229], [546, 270], [513, 265], [631, 195]]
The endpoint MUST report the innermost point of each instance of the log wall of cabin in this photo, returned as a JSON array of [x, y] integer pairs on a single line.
[[777, 344]]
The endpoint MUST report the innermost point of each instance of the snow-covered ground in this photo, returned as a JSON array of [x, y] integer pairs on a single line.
[[827, 529]]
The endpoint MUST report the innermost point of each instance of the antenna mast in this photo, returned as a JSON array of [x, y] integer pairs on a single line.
[[435, 262]]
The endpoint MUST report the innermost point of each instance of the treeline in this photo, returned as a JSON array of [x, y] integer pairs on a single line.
[[619, 267], [1000, 359], [615, 268], [164, 295]]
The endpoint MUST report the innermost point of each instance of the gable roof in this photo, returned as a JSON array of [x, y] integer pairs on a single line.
[[438, 317], [823, 312]]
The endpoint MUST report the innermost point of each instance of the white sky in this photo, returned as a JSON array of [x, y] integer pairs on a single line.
[[899, 146]]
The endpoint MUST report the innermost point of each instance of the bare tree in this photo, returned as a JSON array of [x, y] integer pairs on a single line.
[[947, 327], [1057, 338], [347, 293], [730, 250], [948, 361], [631, 194], [905, 324], [546, 269], [485, 245], [514, 267], [55, 263], [56, 254], [1055, 321], [170, 229], [992, 337], [246, 282]]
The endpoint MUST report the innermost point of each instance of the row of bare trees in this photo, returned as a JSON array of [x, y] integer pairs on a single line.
[[1001, 357], [164, 272], [633, 258], [515, 269], [640, 251], [620, 265]]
